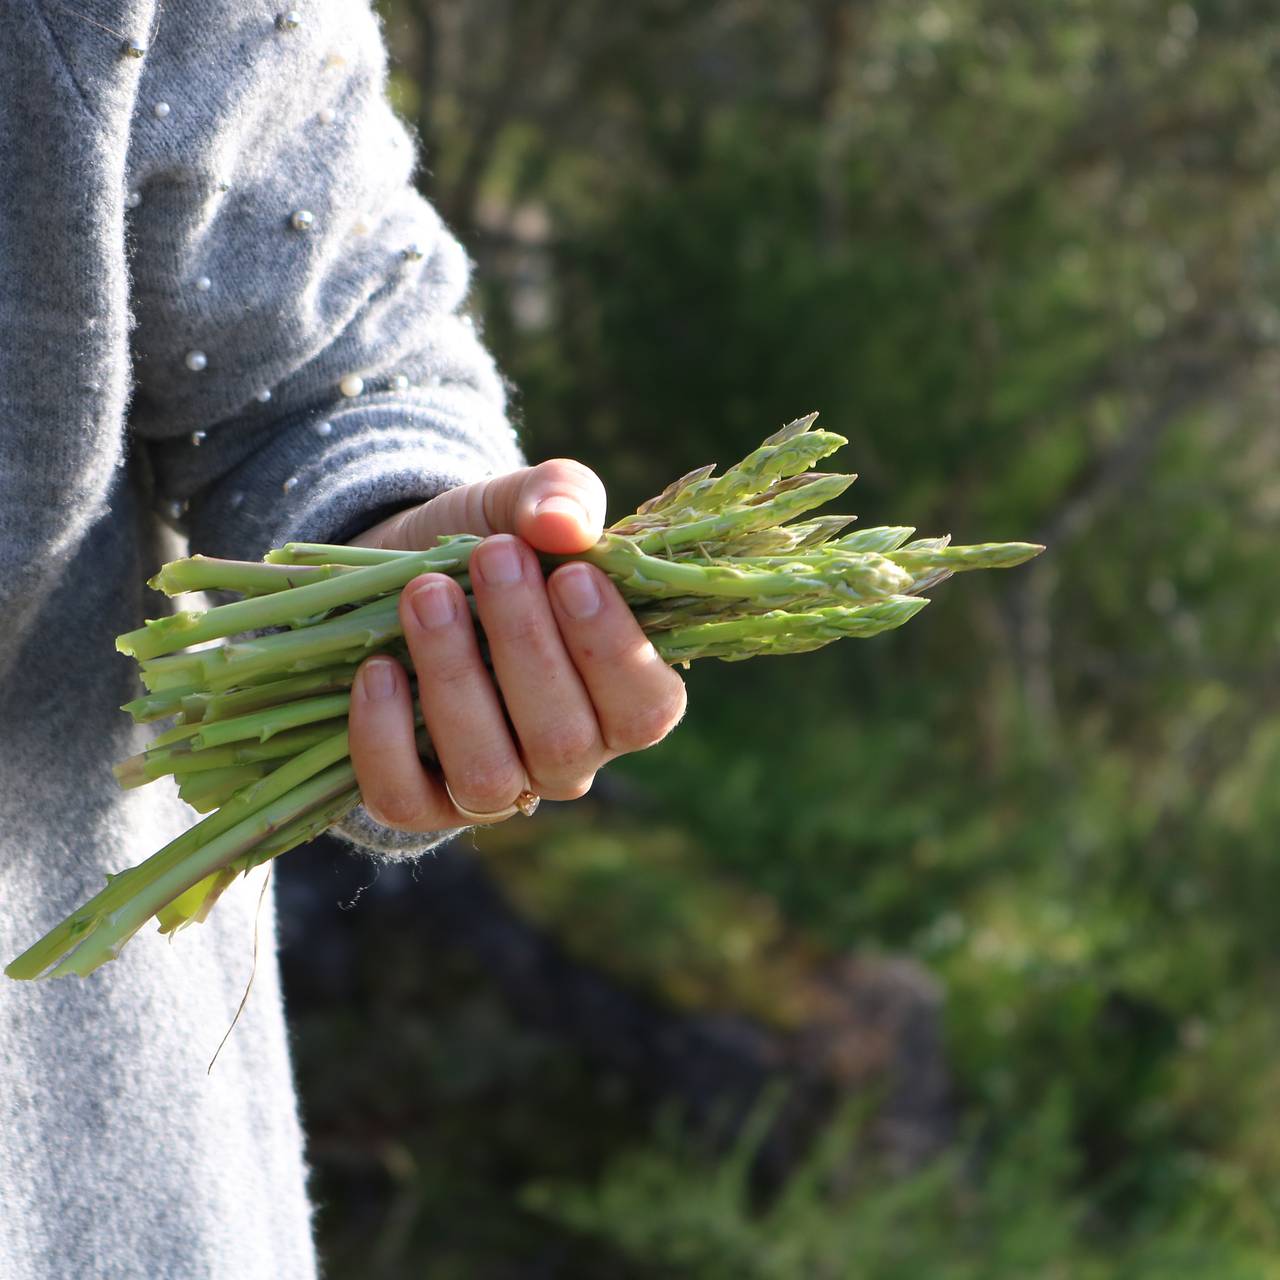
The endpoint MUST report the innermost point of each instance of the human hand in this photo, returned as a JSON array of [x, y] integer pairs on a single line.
[[578, 678]]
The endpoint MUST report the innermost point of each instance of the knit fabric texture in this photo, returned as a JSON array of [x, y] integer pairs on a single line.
[[227, 317]]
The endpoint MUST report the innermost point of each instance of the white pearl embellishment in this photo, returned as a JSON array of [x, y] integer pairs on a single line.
[[351, 385], [322, 429], [161, 110], [196, 361], [327, 115], [133, 200], [263, 396], [199, 437], [302, 220], [290, 484], [204, 284], [400, 382], [289, 21]]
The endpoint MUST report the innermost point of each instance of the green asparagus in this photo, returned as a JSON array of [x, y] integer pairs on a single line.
[[710, 567]]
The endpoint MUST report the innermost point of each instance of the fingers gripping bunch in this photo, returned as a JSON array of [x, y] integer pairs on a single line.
[[714, 566]]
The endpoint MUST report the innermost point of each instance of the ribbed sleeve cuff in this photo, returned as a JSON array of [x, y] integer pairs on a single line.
[[361, 832]]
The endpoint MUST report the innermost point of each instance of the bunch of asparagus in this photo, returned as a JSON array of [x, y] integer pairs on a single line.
[[710, 567]]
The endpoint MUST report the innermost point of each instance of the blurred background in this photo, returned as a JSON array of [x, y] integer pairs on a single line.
[[951, 953]]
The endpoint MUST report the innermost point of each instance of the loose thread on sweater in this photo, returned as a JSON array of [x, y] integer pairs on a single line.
[[102, 26], [84, 17], [253, 970]]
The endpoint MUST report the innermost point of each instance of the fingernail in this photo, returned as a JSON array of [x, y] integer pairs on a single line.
[[500, 561], [377, 681], [576, 590], [558, 505], [433, 605]]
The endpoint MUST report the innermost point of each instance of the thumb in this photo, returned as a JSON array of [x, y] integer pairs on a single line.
[[557, 507]]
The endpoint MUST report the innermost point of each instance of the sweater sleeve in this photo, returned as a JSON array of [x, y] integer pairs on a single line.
[[302, 363]]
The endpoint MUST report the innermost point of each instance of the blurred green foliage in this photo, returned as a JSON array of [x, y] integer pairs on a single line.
[[1025, 257], [665, 1204]]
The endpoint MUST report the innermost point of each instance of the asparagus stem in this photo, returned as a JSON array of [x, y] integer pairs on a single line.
[[324, 644], [302, 651], [181, 760], [265, 724], [249, 577], [105, 908], [178, 630], [193, 906], [205, 791], [206, 707], [798, 576], [302, 829], [171, 684], [322, 553], [782, 632], [179, 733], [290, 743], [156, 706], [109, 932]]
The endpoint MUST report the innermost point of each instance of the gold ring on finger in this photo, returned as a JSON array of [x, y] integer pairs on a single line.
[[526, 802]]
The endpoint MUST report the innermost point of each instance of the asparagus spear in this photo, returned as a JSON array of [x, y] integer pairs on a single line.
[[206, 790], [95, 932]]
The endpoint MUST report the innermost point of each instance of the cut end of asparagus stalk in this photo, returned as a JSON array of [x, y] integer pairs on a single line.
[[132, 772], [138, 644]]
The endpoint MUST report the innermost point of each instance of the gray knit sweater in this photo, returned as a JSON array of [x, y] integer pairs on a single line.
[[222, 308]]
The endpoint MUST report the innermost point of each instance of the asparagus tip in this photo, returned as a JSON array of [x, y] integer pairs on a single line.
[[1020, 553], [794, 428]]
